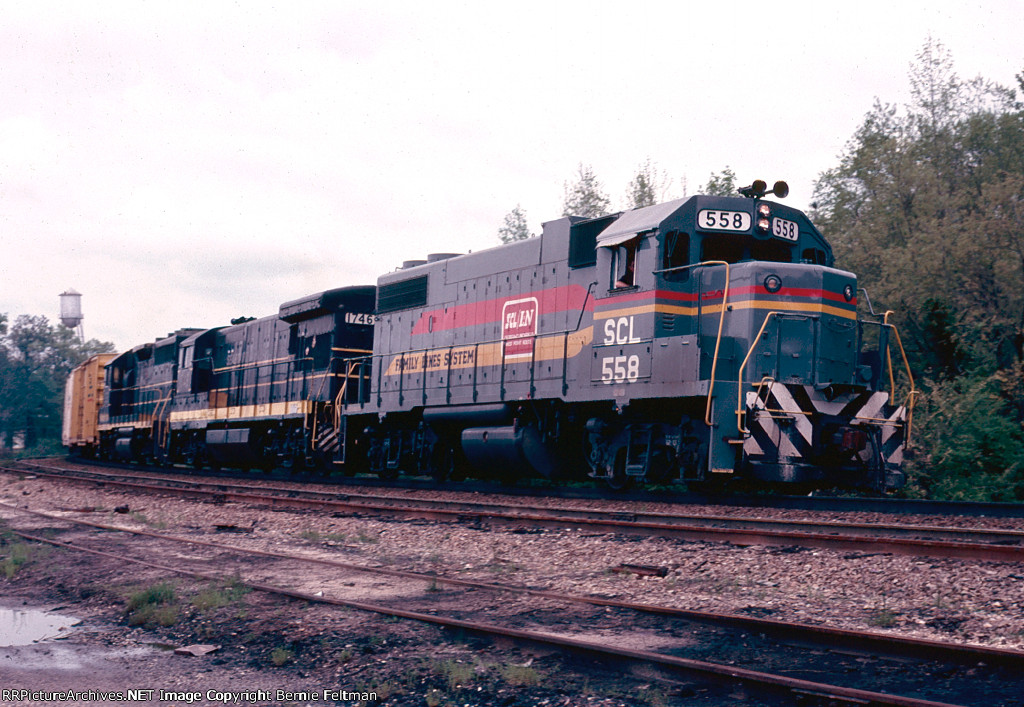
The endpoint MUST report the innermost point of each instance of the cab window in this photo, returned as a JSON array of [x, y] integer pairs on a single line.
[[675, 254], [623, 274], [734, 250]]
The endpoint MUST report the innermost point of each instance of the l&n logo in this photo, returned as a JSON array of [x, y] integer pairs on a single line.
[[519, 326]]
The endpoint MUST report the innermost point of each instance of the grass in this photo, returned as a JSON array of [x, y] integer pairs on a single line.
[[219, 595], [155, 605], [15, 556], [281, 655], [455, 673], [883, 618], [520, 675]]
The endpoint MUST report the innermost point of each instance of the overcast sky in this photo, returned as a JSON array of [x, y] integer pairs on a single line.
[[183, 163]]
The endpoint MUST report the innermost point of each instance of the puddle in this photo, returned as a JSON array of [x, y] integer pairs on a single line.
[[23, 627]]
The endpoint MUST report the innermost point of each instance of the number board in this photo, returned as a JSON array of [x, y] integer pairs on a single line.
[[358, 318], [712, 220], [788, 230]]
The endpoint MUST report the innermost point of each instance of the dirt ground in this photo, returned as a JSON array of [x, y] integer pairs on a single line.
[[269, 650]]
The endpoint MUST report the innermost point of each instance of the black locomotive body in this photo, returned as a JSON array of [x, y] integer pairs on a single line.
[[138, 389], [259, 393], [700, 339]]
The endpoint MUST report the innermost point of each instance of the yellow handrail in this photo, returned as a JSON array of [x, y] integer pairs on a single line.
[[740, 408], [718, 339], [912, 394]]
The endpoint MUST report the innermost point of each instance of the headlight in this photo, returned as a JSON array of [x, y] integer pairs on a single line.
[[764, 210], [848, 293], [773, 283]]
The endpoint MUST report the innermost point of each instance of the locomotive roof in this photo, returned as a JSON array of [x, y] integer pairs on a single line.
[[323, 302], [637, 221], [650, 218]]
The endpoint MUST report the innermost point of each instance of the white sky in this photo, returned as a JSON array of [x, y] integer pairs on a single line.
[[182, 163]]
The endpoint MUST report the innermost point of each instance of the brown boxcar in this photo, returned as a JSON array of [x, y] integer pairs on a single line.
[[83, 396]]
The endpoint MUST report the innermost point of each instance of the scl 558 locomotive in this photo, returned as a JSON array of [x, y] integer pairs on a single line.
[[702, 339]]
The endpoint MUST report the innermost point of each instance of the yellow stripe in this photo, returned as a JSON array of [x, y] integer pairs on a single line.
[[244, 412], [547, 348], [813, 307], [139, 425], [256, 364]]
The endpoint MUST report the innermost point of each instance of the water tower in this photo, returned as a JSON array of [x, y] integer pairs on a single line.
[[71, 312]]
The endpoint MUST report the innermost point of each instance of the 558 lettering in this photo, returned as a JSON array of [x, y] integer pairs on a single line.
[[784, 228], [616, 369], [724, 220]]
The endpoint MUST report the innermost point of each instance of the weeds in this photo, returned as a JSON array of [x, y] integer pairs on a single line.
[[520, 675], [455, 673], [883, 618], [142, 519], [215, 597], [15, 556], [281, 655], [155, 605]]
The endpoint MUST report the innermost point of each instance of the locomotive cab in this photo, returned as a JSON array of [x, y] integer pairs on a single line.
[[735, 318]]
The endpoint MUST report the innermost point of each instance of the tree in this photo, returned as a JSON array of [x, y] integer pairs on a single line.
[[35, 360], [926, 205], [515, 227], [648, 187], [585, 197], [721, 184]]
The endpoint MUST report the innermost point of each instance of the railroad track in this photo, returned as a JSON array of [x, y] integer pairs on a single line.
[[785, 653], [902, 539], [536, 487]]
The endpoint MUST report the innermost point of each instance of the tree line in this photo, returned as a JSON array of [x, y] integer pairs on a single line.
[[35, 360], [926, 206], [585, 196]]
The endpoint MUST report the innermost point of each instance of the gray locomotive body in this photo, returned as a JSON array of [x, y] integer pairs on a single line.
[[699, 339]]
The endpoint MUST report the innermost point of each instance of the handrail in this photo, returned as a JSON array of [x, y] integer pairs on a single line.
[[740, 408], [912, 393], [721, 322]]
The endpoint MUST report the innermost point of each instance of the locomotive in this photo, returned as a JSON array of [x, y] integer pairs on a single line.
[[699, 340]]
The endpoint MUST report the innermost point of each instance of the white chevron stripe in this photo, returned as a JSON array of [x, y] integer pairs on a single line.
[[789, 405]]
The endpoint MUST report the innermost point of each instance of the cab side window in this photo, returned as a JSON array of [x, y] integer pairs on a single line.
[[675, 255], [624, 265]]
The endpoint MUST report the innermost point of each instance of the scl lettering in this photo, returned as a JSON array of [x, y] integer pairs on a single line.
[[620, 331]]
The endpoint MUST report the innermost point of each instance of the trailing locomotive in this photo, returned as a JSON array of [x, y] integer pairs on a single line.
[[702, 339]]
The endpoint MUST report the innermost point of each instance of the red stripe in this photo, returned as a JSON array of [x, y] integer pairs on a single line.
[[759, 291], [570, 298]]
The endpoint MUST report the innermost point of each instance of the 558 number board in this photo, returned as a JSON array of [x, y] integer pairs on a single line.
[[712, 220]]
